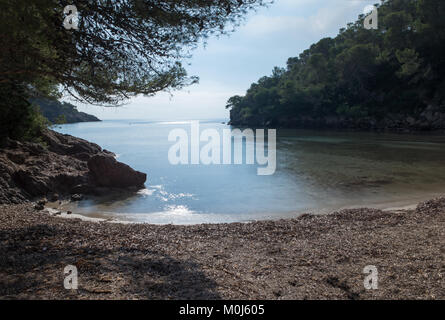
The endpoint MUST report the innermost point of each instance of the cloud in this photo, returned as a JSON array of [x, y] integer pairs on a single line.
[[264, 26], [326, 17], [296, 3]]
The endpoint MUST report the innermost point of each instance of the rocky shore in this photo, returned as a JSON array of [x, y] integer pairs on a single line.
[[60, 166], [311, 257]]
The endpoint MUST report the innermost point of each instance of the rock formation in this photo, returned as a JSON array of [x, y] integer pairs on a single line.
[[60, 166]]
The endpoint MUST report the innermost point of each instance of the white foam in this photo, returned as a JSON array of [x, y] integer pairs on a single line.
[[146, 192]]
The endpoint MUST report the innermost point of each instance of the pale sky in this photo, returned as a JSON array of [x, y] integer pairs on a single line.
[[229, 65]]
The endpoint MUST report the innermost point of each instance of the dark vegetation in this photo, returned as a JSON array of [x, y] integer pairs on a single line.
[[122, 48], [392, 77], [61, 112]]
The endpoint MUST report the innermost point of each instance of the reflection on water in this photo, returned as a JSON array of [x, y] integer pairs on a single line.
[[316, 172]]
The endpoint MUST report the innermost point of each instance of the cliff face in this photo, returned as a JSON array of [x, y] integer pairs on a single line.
[[63, 166], [62, 112]]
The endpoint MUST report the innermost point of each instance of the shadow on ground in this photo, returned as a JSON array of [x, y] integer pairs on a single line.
[[32, 261]]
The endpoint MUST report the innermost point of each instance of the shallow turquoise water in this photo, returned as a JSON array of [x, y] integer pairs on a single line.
[[316, 172]]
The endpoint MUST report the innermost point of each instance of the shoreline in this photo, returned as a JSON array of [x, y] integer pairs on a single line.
[[310, 257], [61, 166], [65, 215], [403, 130], [60, 210]]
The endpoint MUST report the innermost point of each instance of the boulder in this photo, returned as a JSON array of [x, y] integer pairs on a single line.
[[106, 171]]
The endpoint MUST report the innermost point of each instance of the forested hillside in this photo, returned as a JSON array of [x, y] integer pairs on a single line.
[[61, 112], [392, 77]]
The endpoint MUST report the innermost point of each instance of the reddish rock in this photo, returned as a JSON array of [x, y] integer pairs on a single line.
[[106, 171], [61, 166]]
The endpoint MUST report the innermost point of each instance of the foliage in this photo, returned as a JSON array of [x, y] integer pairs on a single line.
[[397, 69], [122, 48], [61, 119], [61, 112], [19, 119]]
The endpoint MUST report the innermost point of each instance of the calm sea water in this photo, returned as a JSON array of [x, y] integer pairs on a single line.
[[316, 172]]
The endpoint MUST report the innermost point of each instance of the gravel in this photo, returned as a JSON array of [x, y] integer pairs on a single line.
[[312, 257]]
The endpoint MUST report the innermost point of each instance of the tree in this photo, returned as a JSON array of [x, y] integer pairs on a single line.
[[122, 48], [361, 75]]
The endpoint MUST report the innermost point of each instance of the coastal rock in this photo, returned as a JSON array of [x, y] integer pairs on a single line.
[[69, 145], [106, 171], [59, 167]]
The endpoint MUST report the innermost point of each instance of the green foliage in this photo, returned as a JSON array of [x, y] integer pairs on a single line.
[[61, 112], [121, 49], [410, 64], [33, 126], [397, 69], [19, 119], [61, 119]]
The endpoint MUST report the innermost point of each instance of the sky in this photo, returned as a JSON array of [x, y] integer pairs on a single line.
[[228, 65]]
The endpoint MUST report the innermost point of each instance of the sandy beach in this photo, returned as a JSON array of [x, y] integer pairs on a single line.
[[312, 257]]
